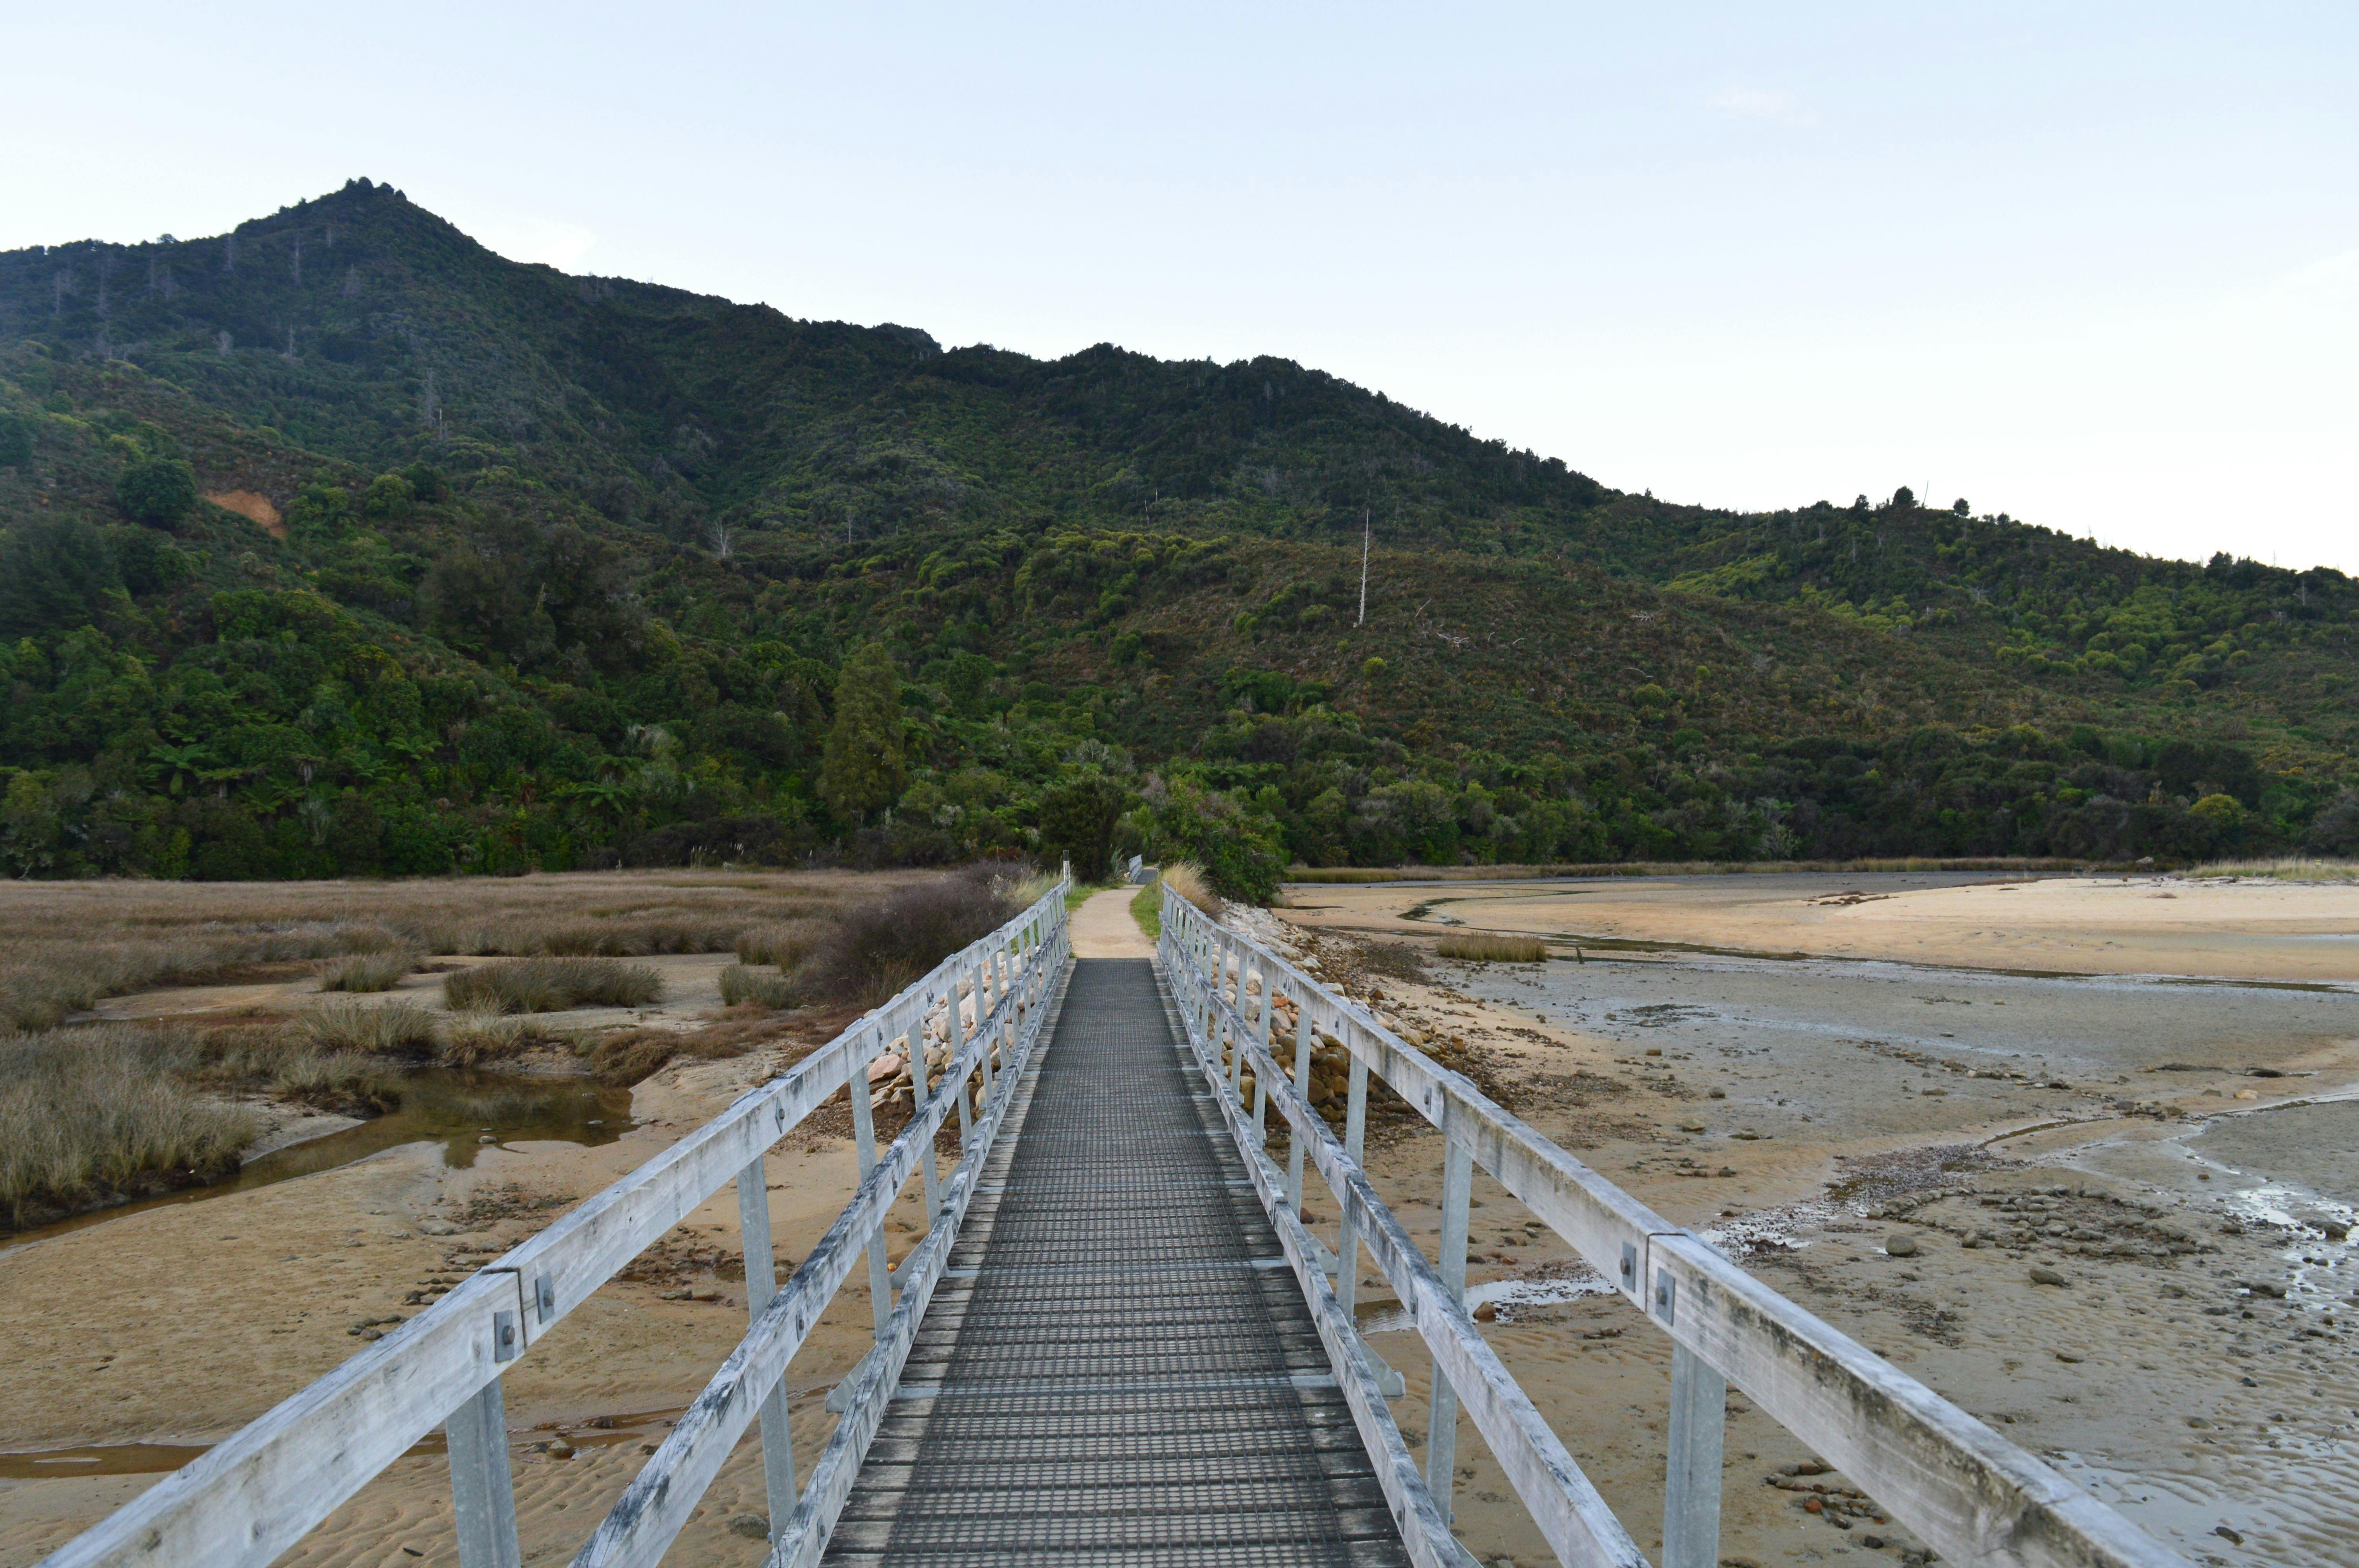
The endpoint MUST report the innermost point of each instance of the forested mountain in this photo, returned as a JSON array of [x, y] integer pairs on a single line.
[[340, 545]]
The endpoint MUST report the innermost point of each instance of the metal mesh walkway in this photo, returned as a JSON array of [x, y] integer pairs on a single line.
[[1118, 1367]]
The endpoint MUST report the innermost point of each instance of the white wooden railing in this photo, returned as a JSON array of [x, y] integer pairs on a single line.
[[250, 1497], [1972, 1495]]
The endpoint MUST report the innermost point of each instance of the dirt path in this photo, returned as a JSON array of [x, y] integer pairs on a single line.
[[1102, 927]]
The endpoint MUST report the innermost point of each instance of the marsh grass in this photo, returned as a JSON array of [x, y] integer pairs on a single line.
[[1187, 878], [551, 985], [64, 946], [350, 1082], [741, 983], [1490, 948], [2289, 869], [781, 944], [367, 972], [473, 1039], [89, 1113], [373, 1029]]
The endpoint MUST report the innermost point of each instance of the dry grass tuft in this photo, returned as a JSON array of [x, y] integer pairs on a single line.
[[1489, 947], [472, 1039], [1187, 878], [348, 1082], [2288, 869], [367, 972], [551, 985], [782, 944], [371, 1029], [89, 1113], [742, 984]]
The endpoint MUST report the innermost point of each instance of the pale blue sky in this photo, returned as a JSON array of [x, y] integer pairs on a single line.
[[2093, 266]]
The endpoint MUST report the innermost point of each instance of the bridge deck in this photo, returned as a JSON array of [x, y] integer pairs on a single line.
[[1118, 1366]]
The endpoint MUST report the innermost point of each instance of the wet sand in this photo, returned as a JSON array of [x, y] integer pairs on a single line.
[[2197, 1368]]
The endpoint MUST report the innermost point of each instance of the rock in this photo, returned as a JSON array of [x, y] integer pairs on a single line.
[[372, 1334], [2067, 1357], [1873, 1542], [752, 1527], [1900, 1246], [437, 1227], [486, 1138], [1487, 1313], [2043, 1275], [2230, 1536], [1725, 1171], [1691, 1127], [2266, 1288], [1717, 1094], [561, 1449], [2334, 1228]]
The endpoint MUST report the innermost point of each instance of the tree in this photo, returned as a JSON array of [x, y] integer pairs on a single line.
[[1077, 820], [1903, 498], [16, 441], [863, 767], [55, 573], [1961, 507], [157, 491]]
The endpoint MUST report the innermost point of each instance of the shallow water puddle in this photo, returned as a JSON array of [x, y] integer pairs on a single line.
[[464, 1112]]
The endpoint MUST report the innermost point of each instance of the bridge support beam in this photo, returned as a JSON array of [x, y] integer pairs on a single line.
[[1441, 1430]]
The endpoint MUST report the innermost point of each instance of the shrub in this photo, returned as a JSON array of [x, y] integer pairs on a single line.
[[157, 491], [1187, 878], [367, 972], [91, 1113], [742, 984], [1489, 947], [551, 985], [375, 1029], [877, 948]]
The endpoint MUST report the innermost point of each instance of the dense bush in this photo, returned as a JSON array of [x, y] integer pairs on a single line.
[[157, 491], [875, 949]]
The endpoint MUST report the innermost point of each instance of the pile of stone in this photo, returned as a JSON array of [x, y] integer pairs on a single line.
[[892, 1077]]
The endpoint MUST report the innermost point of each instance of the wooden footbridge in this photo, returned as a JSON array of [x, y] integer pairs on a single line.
[[1118, 1341]]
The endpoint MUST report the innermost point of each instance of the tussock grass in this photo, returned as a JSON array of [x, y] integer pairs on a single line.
[[1187, 878], [89, 1113], [367, 972], [373, 1029], [2286, 868], [346, 1081], [472, 1039], [781, 944], [1490, 948], [551, 985], [740, 983]]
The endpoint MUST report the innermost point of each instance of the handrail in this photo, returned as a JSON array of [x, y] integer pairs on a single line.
[[249, 1497], [1972, 1495]]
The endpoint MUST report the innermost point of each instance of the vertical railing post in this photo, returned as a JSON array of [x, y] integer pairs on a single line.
[[1304, 1032], [761, 1284], [482, 1493], [1355, 1138], [1261, 1075], [864, 1137], [1236, 1064], [1692, 1480], [922, 1095], [1457, 1191]]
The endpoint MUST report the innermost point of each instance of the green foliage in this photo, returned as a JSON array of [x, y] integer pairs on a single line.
[[599, 573], [1077, 823], [157, 491], [16, 441], [865, 768]]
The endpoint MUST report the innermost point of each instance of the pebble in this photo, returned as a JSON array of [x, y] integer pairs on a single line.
[[1691, 1127], [2066, 1355], [1900, 1246], [2041, 1275]]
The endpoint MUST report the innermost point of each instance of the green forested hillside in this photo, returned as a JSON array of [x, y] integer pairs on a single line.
[[504, 568]]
